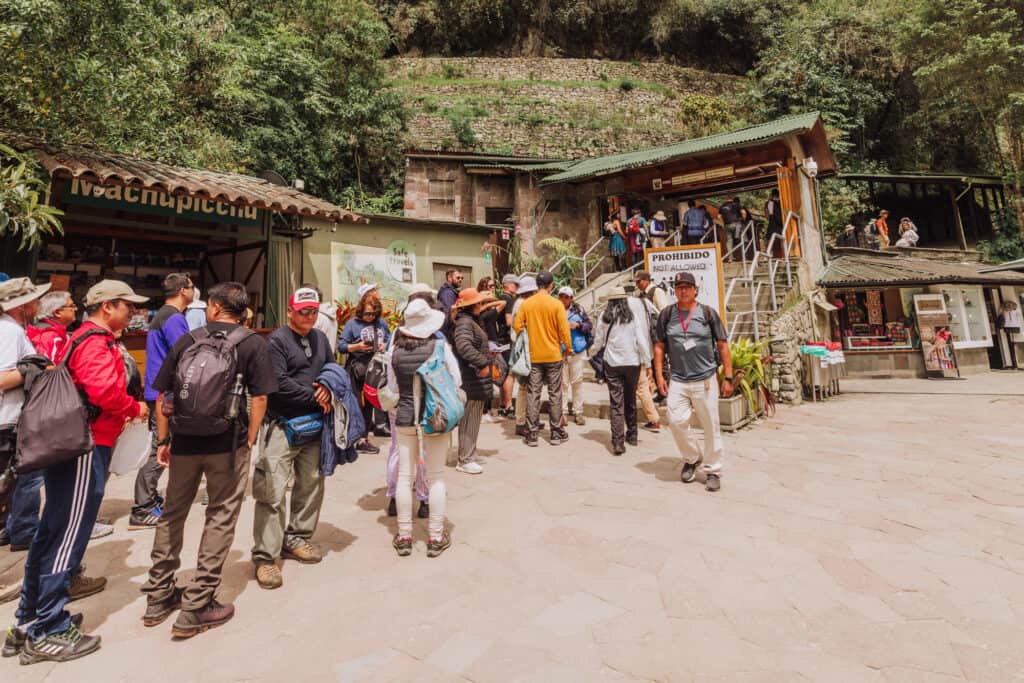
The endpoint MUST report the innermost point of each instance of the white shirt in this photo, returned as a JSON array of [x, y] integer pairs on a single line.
[[626, 344], [14, 345], [327, 322]]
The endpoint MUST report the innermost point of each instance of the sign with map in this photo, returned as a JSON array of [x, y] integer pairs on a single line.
[[393, 269]]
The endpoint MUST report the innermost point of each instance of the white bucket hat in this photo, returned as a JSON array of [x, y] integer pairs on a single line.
[[527, 284], [19, 291], [421, 321]]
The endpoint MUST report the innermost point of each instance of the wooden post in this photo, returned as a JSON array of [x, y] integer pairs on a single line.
[[956, 216]]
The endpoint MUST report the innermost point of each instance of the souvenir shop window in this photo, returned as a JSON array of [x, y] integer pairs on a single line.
[[967, 315], [872, 320]]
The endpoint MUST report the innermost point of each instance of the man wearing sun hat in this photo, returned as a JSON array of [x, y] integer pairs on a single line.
[[298, 352], [74, 489]]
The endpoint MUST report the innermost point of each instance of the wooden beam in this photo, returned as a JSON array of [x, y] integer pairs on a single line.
[[958, 221]]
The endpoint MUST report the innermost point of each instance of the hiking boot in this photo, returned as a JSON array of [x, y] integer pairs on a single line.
[[402, 545], [392, 508], [16, 637], [632, 440], [8, 593], [305, 552], [83, 586], [424, 511], [470, 468], [59, 647], [652, 427], [436, 547], [580, 420], [713, 483], [530, 440], [145, 520], [99, 530], [268, 576], [193, 622], [618, 449], [522, 430], [20, 547], [367, 447], [157, 612], [689, 472]]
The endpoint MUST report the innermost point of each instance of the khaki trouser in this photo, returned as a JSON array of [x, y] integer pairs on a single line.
[[572, 382], [226, 477], [690, 402], [276, 526], [646, 398]]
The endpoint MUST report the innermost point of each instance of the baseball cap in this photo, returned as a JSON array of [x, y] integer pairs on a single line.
[[304, 297], [108, 290], [642, 275], [566, 291], [510, 278], [544, 278], [367, 288], [683, 279]]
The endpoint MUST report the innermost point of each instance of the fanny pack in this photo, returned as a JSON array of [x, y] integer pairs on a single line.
[[303, 429]]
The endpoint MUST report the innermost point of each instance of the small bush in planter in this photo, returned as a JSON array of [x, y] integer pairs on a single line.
[[751, 372]]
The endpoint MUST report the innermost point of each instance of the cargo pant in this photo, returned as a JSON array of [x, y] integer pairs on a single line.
[[646, 397], [541, 374], [276, 526]]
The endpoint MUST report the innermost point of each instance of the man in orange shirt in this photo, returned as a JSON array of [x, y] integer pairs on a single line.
[[544, 319]]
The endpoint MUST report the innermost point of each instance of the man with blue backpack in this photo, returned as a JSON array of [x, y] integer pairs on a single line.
[[582, 332]]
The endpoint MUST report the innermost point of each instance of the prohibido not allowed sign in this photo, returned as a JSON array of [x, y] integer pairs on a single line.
[[704, 262]]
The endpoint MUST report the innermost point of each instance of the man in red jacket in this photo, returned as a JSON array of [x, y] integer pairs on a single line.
[[74, 489], [50, 334]]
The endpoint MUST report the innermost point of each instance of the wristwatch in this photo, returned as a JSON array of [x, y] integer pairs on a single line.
[[727, 379], [164, 441]]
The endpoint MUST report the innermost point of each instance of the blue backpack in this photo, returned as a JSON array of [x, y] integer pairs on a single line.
[[443, 407]]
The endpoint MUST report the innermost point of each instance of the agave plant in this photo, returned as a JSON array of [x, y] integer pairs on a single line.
[[751, 371]]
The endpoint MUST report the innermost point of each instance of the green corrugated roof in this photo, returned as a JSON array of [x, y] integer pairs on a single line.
[[589, 168], [880, 271], [1008, 265], [549, 167]]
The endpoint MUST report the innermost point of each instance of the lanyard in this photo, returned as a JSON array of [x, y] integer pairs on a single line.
[[685, 323]]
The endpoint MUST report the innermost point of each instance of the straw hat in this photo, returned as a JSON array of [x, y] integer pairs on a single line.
[[19, 291], [616, 293], [421, 321], [471, 296]]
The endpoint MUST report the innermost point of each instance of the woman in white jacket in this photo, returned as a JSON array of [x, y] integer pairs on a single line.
[[623, 333]]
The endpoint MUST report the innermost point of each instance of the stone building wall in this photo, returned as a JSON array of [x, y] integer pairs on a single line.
[[789, 330]]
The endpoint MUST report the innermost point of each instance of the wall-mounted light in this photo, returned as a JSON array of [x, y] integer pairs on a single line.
[[811, 167]]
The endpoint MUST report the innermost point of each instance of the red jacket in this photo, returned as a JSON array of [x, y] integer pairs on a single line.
[[49, 341], [97, 368]]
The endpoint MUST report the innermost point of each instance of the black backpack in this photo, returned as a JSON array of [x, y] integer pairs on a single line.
[[205, 373], [54, 423]]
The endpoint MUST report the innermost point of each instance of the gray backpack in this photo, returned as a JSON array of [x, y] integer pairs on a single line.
[[203, 378]]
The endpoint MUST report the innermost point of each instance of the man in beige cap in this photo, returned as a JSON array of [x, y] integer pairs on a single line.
[[74, 489], [19, 303]]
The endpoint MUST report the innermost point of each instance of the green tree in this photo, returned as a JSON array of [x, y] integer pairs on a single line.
[[23, 212]]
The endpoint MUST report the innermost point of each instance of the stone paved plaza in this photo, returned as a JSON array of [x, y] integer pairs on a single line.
[[875, 537]]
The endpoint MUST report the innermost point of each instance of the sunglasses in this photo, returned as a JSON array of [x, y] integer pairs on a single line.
[[306, 348], [370, 314], [307, 312]]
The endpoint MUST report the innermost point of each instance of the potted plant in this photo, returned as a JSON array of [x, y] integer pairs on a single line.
[[751, 381]]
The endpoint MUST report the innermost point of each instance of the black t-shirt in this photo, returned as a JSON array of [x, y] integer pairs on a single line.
[[257, 374], [295, 372]]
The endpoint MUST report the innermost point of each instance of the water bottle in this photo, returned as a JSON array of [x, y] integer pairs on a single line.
[[235, 398]]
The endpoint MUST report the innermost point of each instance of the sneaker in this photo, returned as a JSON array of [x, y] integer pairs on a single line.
[[268, 576], [508, 413], [193, 622], [83, 586], [689, 472], [16, 637], [632, 440], [99, 530], [530, 440], [382, 432], [570, 411], [470, 468], [713, 483], [653, 427], [580, 420], [436, 547], [367, 447], [522, 430], [8, 593], [305, 552], [618, 449], [59, 647], [145, 520], [402, 545], [157, 612], [392, 508], [424, 511], [558, 436]]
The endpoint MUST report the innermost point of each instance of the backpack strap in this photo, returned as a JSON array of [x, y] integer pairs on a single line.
[[77, 342], [709, 317], [239, 335]]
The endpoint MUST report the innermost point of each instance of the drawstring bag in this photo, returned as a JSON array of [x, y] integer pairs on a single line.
[[520, 358]]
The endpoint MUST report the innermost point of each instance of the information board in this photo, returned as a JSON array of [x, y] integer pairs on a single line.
[[703, 261]]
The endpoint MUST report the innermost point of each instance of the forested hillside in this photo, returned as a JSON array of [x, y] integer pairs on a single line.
[[304, 87]]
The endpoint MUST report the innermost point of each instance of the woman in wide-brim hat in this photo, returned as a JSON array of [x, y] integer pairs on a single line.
[[414, 343], [475, 360]]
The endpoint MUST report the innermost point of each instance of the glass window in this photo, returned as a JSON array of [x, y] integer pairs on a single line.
[[968, 318]]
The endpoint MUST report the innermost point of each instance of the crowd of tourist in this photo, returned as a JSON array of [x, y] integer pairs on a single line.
[[224, 404]]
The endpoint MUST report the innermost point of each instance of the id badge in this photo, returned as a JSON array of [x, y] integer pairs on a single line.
[[689, 344]]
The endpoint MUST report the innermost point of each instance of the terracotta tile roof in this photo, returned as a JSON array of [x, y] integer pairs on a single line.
[[113, 168], [897, 271]]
